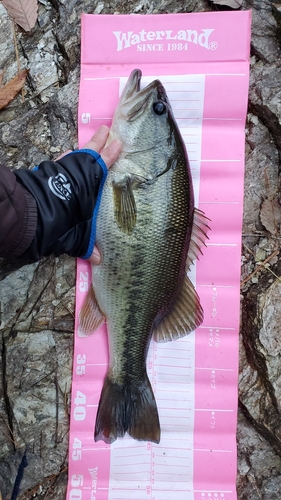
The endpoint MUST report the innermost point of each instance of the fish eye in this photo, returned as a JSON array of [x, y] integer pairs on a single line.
[[159, 107]]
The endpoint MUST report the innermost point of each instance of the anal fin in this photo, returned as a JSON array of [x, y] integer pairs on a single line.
[[186, 315], [91, 317]]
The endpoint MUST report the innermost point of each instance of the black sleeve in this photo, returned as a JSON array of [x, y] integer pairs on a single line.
[[18, 215], [67, 194]]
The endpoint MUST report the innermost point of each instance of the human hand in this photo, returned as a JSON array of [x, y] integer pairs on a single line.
[[109, 155], [66, 195]]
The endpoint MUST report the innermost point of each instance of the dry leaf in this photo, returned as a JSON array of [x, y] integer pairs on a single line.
[[10, 90], [1, 76], [270, 215], [234, 4], [24, 12]]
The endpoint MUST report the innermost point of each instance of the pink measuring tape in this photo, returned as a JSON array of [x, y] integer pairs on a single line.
[[204, 66]]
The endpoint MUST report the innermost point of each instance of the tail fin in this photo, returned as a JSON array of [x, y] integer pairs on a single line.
[[127, 408]]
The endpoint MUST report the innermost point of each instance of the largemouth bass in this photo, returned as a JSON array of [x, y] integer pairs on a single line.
[[148, 233]]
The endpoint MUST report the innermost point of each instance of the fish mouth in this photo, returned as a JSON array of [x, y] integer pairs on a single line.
[[133, 83], [133, 101]]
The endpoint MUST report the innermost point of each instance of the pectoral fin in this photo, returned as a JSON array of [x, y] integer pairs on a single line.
[[125, 210], [198, 237], [186, 315], [91, 317]]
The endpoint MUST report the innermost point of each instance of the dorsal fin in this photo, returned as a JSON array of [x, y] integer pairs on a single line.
[[186, 315], [199, 231]]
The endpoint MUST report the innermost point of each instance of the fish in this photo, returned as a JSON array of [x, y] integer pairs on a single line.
[[149, 233]]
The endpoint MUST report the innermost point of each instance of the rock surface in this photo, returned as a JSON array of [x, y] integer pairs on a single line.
[[37, 301]]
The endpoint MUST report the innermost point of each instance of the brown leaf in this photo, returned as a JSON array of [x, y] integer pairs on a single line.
[[234, 4], [10, 90], [24, 12], [270, 215]]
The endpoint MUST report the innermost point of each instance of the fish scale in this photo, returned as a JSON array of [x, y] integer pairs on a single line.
[[144, 230]]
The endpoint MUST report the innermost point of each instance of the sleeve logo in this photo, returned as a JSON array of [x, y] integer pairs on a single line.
[[60, 187]]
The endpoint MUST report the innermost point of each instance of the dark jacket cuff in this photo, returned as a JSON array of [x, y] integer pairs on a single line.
[[18, 216], [28, 228]]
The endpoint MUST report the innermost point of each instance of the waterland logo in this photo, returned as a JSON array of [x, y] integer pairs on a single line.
[[130, 38]]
